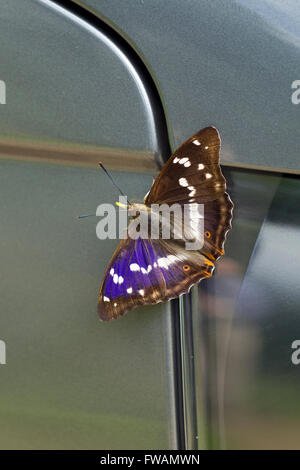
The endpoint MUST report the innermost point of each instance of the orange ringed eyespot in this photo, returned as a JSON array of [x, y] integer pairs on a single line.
[[207, 234], [186, 267]]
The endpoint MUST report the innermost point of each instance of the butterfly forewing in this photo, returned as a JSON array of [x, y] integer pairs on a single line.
[[192, 173], [217, 222]]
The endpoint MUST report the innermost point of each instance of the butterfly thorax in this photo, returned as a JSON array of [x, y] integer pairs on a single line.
[[142, 219], [156, 221], [135, 209]]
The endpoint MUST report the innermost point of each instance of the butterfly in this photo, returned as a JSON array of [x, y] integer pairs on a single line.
[[150, 270]]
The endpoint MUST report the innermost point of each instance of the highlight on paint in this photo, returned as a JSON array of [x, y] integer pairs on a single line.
[[2, 352], [2, 92]]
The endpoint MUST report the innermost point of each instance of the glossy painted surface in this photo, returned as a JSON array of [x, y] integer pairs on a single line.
[[222, 62], [268, 322], [71, 382], [238, 351], [68, 83]]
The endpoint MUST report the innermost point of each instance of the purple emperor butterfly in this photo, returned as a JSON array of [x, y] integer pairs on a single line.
[[147, 270]]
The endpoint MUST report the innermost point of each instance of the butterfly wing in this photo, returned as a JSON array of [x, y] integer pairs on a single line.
[[145, 271], [193, 175], [217, 222], [192, 172]]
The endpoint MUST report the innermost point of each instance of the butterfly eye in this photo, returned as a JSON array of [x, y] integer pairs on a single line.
[[186, 267], [207, 234]]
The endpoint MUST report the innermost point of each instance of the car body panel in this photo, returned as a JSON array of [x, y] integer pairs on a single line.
[[71, 382], [227, 63]]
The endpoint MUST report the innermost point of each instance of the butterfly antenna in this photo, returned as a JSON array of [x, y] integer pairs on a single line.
[[116, 186], [84, 216], [111, 179]]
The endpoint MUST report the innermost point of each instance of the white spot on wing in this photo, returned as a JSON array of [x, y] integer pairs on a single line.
[[162, 263], [141, 291], [146, 270], [172, 259], [193, 191], [129, 290], [106, 299], [111, 272], [183, 182], [183, 160], [165, 262], [134, 267], [187, 164], [116, 279], [196, 142], [208, 176], [176, 160], [200, 166]]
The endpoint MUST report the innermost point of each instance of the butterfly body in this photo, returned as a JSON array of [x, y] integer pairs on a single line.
[[152, 268], [158, 221]]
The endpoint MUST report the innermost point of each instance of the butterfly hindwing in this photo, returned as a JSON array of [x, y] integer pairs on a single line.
[[146, 272]]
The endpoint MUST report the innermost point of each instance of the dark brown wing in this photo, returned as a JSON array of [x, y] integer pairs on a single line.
[[192, 172], [217, 222], [193, 175]]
